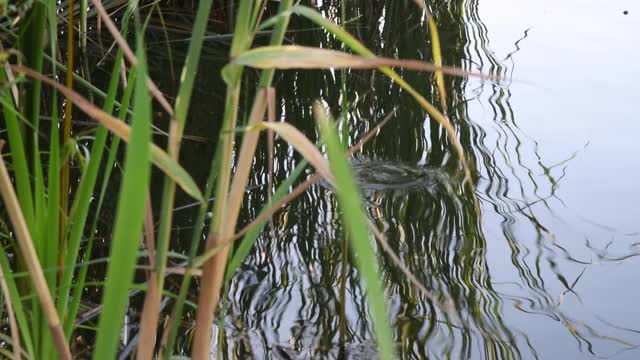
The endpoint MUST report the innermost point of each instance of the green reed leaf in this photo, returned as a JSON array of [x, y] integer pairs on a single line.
[[304, 57], [129, 218], [18, 308], [355, 218]]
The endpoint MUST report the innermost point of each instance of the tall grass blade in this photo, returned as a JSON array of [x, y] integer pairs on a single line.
[[53, 186], [196, 237], [31, 260], [282, 22], [23, 323], [209, 292], [113, 150], [84, 194], [356, 223], [129, 218], [187, 78], [66, 127], [215, 267], [50, 256], [437, 60], [18, 155]]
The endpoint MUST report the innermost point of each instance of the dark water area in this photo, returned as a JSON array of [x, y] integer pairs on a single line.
[[547, 269]]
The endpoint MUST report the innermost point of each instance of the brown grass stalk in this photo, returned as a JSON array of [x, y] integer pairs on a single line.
[[31, 260], [66, 136], [13, 325], [213, 271], [297, 191], [151, 307]]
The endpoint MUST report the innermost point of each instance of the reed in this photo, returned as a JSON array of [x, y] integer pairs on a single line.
[[54, 211]]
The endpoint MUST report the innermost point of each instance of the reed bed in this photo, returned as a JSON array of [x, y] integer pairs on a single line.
[[53, 194]]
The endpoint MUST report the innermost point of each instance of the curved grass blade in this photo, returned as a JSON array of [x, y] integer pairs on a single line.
[[302, 144], [436, 115], [158, 157], [356, 223], [304, 57]]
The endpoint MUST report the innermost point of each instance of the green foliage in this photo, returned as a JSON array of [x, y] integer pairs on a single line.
[[357, 231], [64, 244], [129, 218]]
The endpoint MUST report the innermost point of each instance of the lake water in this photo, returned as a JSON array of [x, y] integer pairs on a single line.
[[547, 269]]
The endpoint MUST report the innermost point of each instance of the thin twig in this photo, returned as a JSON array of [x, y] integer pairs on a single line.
[[13, 326], [128, 53]]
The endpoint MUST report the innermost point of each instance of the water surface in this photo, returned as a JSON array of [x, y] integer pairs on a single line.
[[548, 267]]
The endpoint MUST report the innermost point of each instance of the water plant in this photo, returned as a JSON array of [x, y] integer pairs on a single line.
[[54, 197]]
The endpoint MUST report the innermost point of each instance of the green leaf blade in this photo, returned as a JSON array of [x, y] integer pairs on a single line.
[[354, 217], [129, 220]]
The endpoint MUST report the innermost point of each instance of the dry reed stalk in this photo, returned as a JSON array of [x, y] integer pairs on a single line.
[[151, 307], [13, 326], [298, 190], [31, 260], [213, 271]]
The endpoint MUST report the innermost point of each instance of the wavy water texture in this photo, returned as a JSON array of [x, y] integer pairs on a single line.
[[499, 275]]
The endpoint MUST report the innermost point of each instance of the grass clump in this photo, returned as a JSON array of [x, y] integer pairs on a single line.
[[50, 195]]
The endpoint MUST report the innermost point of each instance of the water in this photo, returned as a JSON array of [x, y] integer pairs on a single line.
[[547, 269]]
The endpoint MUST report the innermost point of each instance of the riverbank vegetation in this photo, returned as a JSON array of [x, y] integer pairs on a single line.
[[72, 145]]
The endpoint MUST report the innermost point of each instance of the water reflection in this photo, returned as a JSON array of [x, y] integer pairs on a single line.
[[289, 293], [501, 273]]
